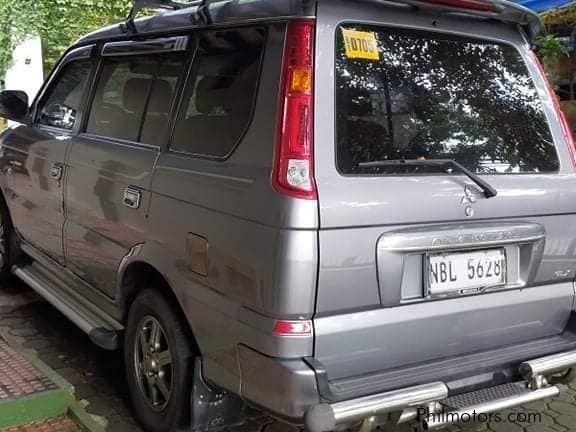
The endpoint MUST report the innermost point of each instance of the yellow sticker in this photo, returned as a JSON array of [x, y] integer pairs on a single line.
[[361, 45]]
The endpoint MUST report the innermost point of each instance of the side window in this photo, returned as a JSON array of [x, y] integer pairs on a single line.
[[134, 96], [220, 94], [59, 108]]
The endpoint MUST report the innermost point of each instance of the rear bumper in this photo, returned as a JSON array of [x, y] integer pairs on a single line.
[[461, 374], [287, 388], [299, 391], [431, 405], [381, 339], [428, 404]]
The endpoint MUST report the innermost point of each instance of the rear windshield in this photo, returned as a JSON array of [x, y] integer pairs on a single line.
[[410, 95]]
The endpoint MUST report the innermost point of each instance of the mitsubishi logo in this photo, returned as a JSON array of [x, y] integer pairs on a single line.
[[467, 200]]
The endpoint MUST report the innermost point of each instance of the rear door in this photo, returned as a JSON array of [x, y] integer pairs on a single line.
[[432, 267]]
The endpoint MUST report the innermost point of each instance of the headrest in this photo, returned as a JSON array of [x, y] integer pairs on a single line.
[[161, 98], [214, 92], [135, 93]]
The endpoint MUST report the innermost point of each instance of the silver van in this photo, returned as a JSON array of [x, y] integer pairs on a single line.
[[342, 212]]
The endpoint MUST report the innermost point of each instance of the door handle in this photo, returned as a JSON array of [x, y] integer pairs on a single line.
[[132, 197], [56, 172]]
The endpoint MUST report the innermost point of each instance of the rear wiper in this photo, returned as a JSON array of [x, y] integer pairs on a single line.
[[489, 191]]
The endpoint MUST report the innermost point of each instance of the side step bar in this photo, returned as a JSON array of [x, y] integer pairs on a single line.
[[102, 329], [430, 405]]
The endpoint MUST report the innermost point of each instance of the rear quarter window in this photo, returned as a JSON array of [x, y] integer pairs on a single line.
[[421, 95], [220, 94]]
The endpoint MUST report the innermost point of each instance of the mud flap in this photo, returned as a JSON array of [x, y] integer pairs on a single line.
[[213, 408]]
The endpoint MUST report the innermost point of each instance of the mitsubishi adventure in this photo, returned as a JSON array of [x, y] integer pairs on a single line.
[[345, 213]]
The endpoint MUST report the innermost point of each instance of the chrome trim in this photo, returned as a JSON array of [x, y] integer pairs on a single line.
[[443, 419], [56, 172], [548, 365], [406, 402], [325, 417], [408, 415], [132, 197], [396, 400], [524, 243], [150, 46], [447, 237]]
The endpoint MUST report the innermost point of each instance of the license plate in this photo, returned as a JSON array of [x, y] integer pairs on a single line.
[[467, 271]]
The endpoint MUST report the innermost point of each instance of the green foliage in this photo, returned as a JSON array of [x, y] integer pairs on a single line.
[[58, 22], [441, 99], [550, 49]]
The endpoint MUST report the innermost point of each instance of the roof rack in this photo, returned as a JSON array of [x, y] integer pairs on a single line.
[[501, 10], [203, 11]]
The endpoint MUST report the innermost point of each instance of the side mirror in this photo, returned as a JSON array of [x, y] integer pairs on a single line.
[[14, 105]]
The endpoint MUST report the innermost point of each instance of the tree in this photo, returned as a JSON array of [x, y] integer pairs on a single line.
[[58, 22], [551, 50], [565, 15], [441, 98]]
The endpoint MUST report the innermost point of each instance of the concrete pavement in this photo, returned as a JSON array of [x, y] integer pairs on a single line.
[[97, 375]]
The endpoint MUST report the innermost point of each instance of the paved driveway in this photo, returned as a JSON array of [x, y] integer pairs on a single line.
[[98, 377]]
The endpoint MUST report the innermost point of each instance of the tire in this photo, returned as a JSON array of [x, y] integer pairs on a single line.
[[160, 393], [6, 242]]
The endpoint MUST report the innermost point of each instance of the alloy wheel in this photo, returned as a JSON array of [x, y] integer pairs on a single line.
[[153, 363]]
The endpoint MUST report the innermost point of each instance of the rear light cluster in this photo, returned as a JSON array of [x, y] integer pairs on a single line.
[[566, 129], [293, 173]]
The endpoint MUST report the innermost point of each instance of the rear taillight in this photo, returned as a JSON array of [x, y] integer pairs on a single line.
[[482, 6], [293, 173], [566, 129]]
